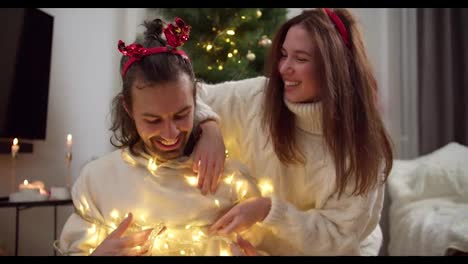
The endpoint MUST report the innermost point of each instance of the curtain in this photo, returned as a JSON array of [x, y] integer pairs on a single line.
[[442, 77]]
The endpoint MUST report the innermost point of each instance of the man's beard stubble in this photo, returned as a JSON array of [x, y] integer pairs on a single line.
[[163, 155]]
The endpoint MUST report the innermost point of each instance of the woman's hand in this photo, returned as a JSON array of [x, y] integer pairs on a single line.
[[130, 245], [242, 216], [209, 157]]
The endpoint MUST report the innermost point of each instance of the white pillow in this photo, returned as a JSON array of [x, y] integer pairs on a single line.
[[430, 180], [451, 156]]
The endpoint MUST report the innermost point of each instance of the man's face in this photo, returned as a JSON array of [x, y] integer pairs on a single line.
[[163, 115]]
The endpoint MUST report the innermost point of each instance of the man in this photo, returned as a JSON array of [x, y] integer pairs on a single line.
[[142, 198]]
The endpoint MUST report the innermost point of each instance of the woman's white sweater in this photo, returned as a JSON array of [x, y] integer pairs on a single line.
[[306, 216]]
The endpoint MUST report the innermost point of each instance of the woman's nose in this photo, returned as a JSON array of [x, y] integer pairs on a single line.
[[285, 67]]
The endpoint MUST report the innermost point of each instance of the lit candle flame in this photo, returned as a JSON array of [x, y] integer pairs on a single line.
[[25, 182], [216, 202], [14, 148], [69, 142]]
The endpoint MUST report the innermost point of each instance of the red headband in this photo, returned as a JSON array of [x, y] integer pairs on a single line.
[[176, 36], [339, 24]]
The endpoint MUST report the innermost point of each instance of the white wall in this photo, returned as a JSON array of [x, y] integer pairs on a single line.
[[84, 78], [382, 32]]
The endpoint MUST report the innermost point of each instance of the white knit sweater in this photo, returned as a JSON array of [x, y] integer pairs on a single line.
[[119, 183], [306, 218]]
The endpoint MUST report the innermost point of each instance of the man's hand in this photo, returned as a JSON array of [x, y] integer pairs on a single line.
[[209, 157], [243, 248], [130, 245], [242, 216]]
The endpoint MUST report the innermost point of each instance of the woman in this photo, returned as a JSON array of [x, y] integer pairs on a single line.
[[313, 137]]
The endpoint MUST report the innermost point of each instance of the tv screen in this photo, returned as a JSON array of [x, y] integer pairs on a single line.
[[25, 46]]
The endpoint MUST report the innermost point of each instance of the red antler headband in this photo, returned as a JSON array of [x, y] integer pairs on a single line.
[[176, 36], [339, 24]]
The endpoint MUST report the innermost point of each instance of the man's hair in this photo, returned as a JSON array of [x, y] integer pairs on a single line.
[[155, 68], [353, 129]]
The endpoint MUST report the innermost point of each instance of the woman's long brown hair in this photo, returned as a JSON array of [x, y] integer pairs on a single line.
[[352, 126]]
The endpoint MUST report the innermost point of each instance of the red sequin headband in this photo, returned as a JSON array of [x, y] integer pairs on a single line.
[[176, 36], [339, 24]]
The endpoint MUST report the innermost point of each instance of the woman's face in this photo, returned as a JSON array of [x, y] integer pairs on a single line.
[[298, 67]]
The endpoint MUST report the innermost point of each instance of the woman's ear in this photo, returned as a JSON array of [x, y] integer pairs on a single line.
[[125, 106]]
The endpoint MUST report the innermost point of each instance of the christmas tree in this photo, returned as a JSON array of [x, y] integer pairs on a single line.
[[227, 43]]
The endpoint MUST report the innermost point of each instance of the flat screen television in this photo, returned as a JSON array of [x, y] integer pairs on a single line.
[[26, 49]]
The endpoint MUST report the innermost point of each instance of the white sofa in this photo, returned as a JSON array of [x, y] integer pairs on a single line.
[[428, 214]]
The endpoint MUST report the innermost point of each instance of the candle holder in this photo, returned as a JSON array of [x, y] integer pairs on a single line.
[[14, 154], [13, 174], [68, 158]]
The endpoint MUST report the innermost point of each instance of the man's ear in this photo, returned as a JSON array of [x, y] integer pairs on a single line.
[[125, 106]]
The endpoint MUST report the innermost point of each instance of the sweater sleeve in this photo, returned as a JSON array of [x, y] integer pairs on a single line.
[[232, 101], [335, 229], [244, 186], [82, 232], [203, 112]]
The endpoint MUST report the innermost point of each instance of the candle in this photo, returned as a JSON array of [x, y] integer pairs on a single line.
[[14, 148], [69, 143], [36, 185], [28, 192]]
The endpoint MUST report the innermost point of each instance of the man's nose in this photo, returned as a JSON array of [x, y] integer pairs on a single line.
[[170, 131]]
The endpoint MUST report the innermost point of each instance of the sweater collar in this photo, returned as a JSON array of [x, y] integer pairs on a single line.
[[308, 116], [147, 161]]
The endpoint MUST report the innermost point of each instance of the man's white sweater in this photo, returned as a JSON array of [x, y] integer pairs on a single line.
[[157, 195], [306, 216]]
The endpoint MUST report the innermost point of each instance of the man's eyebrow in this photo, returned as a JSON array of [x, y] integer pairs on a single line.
[[157, 116], [149, 115], [184, 109]]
